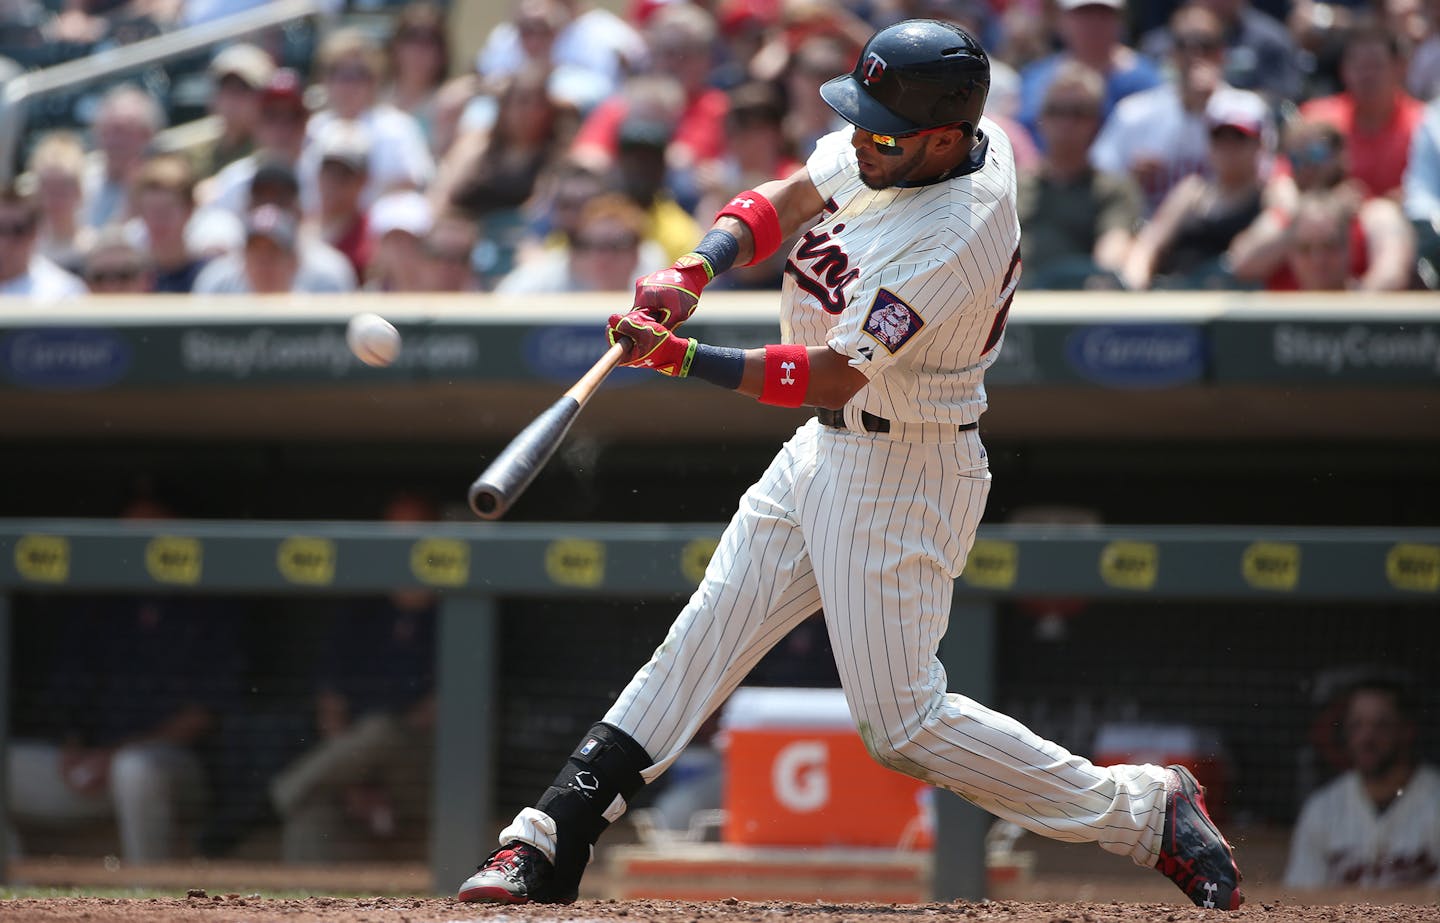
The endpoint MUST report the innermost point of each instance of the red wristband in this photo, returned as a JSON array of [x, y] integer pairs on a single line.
[[757, 214], [787, 375]]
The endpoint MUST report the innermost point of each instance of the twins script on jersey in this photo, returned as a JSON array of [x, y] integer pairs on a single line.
[[912, 283]]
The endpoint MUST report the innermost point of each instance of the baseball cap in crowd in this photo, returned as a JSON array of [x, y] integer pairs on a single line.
[[1244, 112], [274, 223], [1067, 5], [406, 211], [247, 62], [284, 86], [273, 182], [641, 131], [345, 142]]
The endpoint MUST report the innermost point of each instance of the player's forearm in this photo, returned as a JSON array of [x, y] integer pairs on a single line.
[[796, 203], [832, 382]]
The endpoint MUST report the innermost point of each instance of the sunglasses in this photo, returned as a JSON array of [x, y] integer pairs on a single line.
[[1202, 44], [1310, 154], [106, 276], [892, 141], [607, 245]]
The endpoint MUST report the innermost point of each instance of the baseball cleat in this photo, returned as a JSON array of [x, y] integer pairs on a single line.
[[515, 873], [1193, 854]]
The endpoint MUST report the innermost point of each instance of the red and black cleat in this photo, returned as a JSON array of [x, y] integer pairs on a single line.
[[1193, 854], [516, 873]]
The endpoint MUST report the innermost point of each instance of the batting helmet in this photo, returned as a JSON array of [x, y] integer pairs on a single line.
[[914, 75]]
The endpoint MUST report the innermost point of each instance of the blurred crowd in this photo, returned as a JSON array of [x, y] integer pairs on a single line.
[[1166, 145]]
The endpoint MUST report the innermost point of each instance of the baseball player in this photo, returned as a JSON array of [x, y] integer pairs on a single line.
[[893, 306]]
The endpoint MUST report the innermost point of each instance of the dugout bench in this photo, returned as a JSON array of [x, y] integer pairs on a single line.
[[471, 565]]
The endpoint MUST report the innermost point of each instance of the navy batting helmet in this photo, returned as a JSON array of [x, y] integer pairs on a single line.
[[914, 75]]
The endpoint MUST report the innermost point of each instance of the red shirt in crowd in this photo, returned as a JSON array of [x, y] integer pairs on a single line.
[[1377, 159]]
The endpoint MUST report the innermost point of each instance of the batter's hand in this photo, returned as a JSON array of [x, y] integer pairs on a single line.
[[669, 296], [652, 346]]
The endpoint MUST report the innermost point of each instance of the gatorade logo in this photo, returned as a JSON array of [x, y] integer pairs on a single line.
[[1271, 565], [800, 776]]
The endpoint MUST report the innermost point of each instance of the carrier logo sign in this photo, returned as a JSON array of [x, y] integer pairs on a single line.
[[873, 69], [1137, 355], [64, 359]]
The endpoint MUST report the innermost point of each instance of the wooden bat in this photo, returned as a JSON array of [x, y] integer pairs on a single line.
[[514, 468]]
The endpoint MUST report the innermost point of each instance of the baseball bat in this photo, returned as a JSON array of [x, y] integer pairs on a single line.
[[513, 469]]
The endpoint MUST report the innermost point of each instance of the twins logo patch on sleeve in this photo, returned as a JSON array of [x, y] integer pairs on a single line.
[[891, 321]]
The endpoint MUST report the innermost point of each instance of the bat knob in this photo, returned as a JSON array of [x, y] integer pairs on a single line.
[[485, 501]]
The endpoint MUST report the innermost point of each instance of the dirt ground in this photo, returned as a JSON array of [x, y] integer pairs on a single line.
[[234, 908]]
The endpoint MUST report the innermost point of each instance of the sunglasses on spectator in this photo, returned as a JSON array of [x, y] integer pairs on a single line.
[[118, 274], [1200, 44], [1070, 111], [18, 229], [606, 244], [1310, 154], [351, 72]]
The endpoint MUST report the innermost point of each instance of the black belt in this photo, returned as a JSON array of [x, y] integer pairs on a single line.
[[872, 423]]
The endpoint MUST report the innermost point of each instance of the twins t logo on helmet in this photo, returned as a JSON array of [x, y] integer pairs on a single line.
[[874, 68]]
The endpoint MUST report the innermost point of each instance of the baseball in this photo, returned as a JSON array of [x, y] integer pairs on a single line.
[[373, 339]]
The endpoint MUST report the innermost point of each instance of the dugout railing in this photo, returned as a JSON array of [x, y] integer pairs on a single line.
[[472, 566]]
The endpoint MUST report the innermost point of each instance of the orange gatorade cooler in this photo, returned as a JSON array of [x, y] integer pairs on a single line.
[[797, 774]]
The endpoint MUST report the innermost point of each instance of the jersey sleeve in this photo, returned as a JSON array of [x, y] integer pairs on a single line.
[[1306, 865], [832, 166]]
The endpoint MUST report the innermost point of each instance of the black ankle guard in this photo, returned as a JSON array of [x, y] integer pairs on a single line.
[[593, 789]]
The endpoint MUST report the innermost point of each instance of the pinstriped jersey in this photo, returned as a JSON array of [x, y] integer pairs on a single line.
[[912, 283]]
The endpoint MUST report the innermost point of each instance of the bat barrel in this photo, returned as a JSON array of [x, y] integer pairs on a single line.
[[514, 468]]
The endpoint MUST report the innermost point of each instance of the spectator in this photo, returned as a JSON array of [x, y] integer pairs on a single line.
[[1376, 825], [448, 251], [1418, 22], [1260, 54], [419, 58], [279, 139], [1090, 31], [1380, 244], [1318, 252], [23, 271], [399, 221], [1158, 136], [57, 165], [365, 783], [682, 41], [1078, 222], [354, 67], [125, 125], [1183, 244], [240, 73], [490, 174], [1422, 186], [640, 172], [808, 118], [554, 218], [343, 221], [163, 200], [318, 267], [756, 150], [115, 266], [604, 254], [1373, 112], [589, 49], [269, 260]]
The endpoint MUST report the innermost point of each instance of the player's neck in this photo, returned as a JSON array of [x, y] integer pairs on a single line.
[[1388, 784], [959, 164]]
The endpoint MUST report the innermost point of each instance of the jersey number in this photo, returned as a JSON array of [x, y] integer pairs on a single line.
[[1007, 291]]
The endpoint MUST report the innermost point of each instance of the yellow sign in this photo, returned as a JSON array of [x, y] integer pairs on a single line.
[[992, 565], [173, 559], [1271, 565], [1130, 565], [1414, 567], [695, 557], [309, 561], [43, 558], [441, 561], [576, 562]]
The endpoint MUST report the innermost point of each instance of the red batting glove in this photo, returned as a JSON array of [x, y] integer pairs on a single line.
[[669, 296], [651, 345]]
